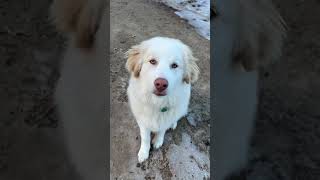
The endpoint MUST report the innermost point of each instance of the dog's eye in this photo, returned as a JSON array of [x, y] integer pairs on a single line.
[[153, 61], [174, 65]]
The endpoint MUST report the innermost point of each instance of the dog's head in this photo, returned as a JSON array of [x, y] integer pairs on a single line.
[[162, 65]]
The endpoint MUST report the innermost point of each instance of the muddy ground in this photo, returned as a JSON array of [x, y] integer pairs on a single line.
[[286, 143]]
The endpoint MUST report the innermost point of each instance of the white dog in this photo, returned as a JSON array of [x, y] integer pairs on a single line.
[[81, 93], [162, 70], [247, 34]]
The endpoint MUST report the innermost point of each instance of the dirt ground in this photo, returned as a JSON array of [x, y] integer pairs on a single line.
[[287, 136]]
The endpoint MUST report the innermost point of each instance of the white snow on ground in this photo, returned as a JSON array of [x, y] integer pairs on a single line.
[[187, 162], [197, 12]]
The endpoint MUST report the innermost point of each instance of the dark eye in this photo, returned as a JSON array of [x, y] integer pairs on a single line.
[[153, 61], [174, 65]]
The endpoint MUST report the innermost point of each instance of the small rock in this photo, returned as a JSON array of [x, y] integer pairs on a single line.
[[191, 120], [143, 167], [138, 164], [207, 143]]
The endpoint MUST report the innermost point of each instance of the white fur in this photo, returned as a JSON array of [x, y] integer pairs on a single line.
[[81, 98], [145, 105]]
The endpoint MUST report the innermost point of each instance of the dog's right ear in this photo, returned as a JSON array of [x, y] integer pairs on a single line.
[[133, 64], [79, 17], [192, 71]]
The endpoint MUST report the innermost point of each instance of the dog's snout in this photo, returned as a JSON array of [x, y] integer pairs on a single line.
[[161, 84]]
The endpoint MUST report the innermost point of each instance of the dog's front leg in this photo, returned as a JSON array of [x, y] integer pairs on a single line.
[[145, 144], [174, 125], [158, 139]]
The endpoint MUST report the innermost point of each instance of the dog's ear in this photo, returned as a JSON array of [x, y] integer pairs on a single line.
[[260, 36], [79, 17], [192, 71], [133, 56]]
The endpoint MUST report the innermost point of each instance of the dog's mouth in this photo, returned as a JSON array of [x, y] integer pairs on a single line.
[[157, 93]]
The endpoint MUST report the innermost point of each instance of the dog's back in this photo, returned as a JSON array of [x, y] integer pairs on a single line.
[[237, 53]]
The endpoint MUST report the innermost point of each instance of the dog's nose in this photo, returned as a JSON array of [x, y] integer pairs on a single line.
[[161, 84]]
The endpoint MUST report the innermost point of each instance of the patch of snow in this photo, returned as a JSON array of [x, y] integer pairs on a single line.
[[187, 162], [196, 12]]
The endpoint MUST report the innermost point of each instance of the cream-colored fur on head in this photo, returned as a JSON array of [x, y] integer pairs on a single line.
[[79, 17], [134, 63], [192, 70], [165, 58], [261, 30], [81, 91]]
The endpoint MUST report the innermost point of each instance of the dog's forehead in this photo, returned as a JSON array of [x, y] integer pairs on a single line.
[[166, 48]]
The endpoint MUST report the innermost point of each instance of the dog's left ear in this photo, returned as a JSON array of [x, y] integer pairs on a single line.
[[133, 64], [192, 71]]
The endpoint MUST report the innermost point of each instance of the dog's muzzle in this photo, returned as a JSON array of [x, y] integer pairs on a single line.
[[160, 85]]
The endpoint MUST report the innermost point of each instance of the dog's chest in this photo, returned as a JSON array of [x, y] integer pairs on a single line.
[[158, 116]]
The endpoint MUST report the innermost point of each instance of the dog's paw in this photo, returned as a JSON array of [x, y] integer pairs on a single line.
[[143, 155], [157, 141], [173, 126]]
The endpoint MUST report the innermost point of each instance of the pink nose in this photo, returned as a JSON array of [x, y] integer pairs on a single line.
[[161, 84]]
